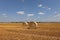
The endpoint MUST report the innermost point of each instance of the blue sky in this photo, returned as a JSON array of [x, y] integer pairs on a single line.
[[30, 10]]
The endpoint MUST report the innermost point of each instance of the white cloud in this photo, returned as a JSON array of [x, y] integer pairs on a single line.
[[40, 5], [3, 14], [20, 12], [49, 8], [42, 13], [57, 15], [30, 14], [55, 12]]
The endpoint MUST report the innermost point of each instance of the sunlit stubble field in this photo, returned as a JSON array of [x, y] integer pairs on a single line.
[[18, 31]]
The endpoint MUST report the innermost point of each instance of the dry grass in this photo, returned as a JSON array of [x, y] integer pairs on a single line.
[[15, 31]]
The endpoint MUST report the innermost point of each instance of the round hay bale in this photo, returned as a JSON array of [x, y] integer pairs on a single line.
[[25, 25], [31, 25]]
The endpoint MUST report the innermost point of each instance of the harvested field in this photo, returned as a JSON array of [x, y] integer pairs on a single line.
[[16, 31]]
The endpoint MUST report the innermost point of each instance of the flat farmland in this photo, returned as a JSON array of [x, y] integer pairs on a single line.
[[17, 31]]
